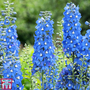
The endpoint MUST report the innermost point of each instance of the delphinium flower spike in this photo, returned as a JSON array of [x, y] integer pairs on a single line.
[[75, 75], [11, 64], [73, 44], [72, 38], [82, 62], [72, 32], [43, 57], [86, 54]]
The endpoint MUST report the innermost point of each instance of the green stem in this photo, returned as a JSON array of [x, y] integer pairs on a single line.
[[42, 80], [73, 64], [81, 73], [73, 57], [63, 59], [8, 12], [31, 87]]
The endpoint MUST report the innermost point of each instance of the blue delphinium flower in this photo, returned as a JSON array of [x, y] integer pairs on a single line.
[[60, 83], [11, 63], [88, 88], [43, 46], [86, 48], [71, 28], [86, 53], [75, 75], [68, 80], [43, 57], [87, 23], [65, 79]]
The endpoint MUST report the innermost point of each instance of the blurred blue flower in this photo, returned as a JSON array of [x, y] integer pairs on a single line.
[[87, 23], [88, 88]]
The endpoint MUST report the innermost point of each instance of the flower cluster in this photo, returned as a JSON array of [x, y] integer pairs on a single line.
[[86, 47], [70, 78], [10, 48], [72, 37], [76, 75], [43, 56], [86, 53], [63, 81]]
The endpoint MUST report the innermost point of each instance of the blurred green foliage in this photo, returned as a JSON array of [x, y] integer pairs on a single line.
[[28, 12], [30, 82]]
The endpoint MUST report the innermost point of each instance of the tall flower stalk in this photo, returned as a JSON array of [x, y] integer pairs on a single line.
[[72, 32], [10, 55], [75, 75], [43, 57]]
